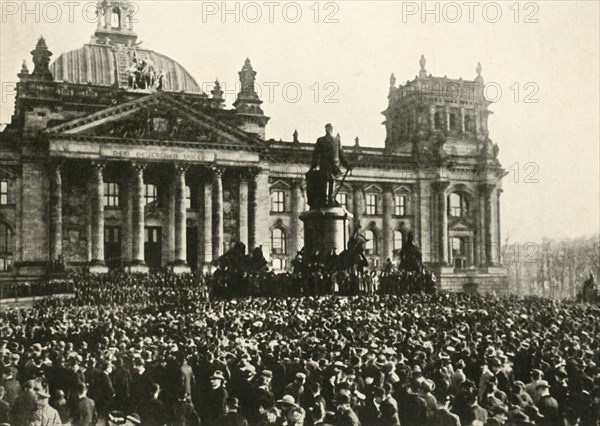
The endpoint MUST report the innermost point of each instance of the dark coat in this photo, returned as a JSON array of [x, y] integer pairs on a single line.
[[232, 419], [184, 414], [84, 412], [152, 412]]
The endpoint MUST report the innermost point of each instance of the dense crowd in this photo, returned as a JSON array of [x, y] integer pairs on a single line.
[[318, 282], [172, 357], [36, 289]]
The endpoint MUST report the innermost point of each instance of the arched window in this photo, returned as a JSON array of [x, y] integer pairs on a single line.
[[6, 248], [115, 18], [437, 121], [457, 205], [278, 241], [371, 244], [398, 239], [453, 122], [468, 123]]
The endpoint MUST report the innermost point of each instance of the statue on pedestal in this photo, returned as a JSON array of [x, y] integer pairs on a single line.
[[327, 157], [411, 258]]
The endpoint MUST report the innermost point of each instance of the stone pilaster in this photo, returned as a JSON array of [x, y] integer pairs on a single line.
[[180, 264], [297, 209], [56, 217], [485, 191], [359, 205], [97, 264], [498, 230], [253, 177], [432, 117], [218, 211], [388, 226], [447, 121], [138, 230], [243, 209], [462, 120], [442, 210], [207, 228]]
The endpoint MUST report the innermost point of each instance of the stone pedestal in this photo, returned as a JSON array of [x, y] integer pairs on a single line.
[[98, 268], [137, 268], [179, 268], [325, 229]]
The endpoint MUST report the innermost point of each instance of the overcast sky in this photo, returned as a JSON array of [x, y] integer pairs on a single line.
[[546, 65]]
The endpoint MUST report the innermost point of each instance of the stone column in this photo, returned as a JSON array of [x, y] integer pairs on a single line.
[[56, 220], [447, 118], [180, 264], [97, 205], [462, 120], [138, 263], [359, 205], [498, 230], [253, 209], [442, 204], [432, 117], [218, 211], [243, 209], [297, 209], [388, 228], [207, 230], [485, 190]]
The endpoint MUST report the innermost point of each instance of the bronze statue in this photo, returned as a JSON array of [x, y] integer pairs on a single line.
[[411, 258], [327, 157]]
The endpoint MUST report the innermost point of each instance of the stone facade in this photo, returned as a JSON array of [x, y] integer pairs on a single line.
[[98, 174]]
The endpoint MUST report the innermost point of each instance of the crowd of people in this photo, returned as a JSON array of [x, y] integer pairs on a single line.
[[236, 283], [168, 357]]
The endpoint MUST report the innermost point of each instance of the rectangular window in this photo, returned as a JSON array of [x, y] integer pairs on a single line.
[[279, 264], [400, 205], [188, 198], [3, 192], [151, 235], [150, 193], [278, 201], [111, 194], [112, 235], [342, 199], [371, 204]]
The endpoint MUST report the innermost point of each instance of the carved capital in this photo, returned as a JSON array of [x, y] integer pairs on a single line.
[[440, 186], [487, 188], [99, 165], [138, 167], [181, 168], [253, 173], [217, 171], [56, 164]]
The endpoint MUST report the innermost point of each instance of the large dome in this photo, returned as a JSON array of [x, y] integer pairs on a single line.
[[108, 65]]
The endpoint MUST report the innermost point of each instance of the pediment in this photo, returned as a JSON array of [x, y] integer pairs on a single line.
[[461, 224], [157, 117]]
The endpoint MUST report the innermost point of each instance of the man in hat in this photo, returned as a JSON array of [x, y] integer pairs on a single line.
[[102, 391], [296, 387], [345, 416], [45, 414], [231, 416], [214, 401], [442, 415], [184, 412], [547, 405], [489, 371]]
